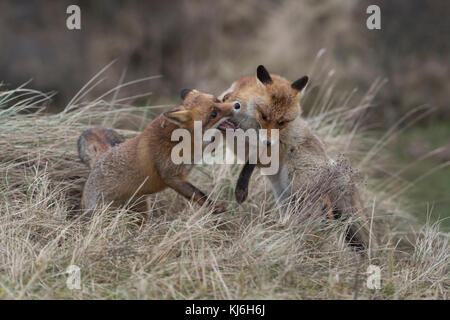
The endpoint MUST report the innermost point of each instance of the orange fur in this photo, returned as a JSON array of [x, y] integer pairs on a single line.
[[94, 142], [272, 102], [277, 101], [145, 160]]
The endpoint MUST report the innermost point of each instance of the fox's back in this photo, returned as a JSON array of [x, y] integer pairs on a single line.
[[119, 174], [309, 168]]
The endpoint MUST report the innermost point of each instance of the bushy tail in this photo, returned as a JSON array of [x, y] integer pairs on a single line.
[[94, 142]]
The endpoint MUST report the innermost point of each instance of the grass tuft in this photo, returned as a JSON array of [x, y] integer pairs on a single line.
[[183, 251]]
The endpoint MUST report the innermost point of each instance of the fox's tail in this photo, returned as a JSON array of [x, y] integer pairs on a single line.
[[94, 142]]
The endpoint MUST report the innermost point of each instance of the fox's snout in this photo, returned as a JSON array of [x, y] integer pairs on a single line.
[[231, 108], [268, 136]]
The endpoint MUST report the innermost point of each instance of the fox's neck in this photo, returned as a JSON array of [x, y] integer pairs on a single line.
[[299, 134], [296, 132], [164, 129]]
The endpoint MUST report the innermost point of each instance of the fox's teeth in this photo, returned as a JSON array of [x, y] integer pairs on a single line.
[[227, 125]]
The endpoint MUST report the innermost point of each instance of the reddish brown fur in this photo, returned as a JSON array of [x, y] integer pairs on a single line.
[[302, 153], [145, 160], [94, 142], [278, 101]]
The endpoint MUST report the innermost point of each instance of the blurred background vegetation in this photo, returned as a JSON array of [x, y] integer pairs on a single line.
[[208, 44]]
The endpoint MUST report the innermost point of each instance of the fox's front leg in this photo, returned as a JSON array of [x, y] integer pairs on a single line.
[[189, 191], [241, 191]]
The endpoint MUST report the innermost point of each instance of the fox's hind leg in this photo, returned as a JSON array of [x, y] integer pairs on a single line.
[[148, 208], [89, 202], [357, 234], [94, 193]]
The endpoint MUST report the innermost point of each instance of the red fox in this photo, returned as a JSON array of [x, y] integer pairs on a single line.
[[268, 101], [272, 102], [121, 170]]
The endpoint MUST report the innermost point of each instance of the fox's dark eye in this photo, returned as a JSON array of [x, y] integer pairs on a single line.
[[213, 114], [237, 105], [263, 116], [281, 123]]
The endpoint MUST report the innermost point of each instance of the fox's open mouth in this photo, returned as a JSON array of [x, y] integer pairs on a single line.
[[227, 124]]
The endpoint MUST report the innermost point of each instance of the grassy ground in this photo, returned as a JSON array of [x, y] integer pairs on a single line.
[[183, 251]]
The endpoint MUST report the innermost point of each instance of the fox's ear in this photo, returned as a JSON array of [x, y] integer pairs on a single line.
[[300, 84], [179, 117], [263, 75], [226, 97], [184, 93]]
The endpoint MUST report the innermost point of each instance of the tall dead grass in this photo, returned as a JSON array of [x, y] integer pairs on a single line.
[[183, 251]]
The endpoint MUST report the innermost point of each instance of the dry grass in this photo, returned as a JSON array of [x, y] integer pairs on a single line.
[[184, 252]]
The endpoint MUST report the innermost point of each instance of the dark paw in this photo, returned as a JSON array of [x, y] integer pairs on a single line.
[[219, 209], [241, 194]]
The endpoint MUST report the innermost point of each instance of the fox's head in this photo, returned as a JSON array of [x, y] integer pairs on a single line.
[[199, 106], [268, 101]]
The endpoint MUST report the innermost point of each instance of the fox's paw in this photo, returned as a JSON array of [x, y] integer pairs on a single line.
[[219, 209], [241, 194]]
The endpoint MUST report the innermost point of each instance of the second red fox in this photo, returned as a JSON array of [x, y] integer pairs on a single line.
[[142, 165], [272, 102]]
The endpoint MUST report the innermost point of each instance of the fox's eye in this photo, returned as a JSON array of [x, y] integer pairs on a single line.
[[263, 116], [237, 105], [213, 114], [281, 123]]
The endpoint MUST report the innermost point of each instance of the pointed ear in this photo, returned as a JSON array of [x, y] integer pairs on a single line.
[[178, 117], [184, 93], [300, 84], [263, 75]]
